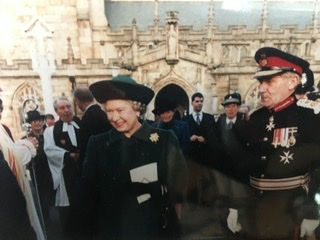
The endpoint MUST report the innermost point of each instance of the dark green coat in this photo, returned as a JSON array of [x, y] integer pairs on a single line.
[[109, 158]]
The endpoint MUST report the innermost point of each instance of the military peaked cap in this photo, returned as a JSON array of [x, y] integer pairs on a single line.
[[232, 98], [273, 61]]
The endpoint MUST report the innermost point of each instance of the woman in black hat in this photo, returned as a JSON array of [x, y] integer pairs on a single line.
[[129, 169], [165, 109]]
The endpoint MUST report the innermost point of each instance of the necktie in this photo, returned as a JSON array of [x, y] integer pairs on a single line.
[[230, 124], [198, 118]]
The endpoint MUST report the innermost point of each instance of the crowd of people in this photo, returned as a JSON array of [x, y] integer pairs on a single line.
[[114, 175]]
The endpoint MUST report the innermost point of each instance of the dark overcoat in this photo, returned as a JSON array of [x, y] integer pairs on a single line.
[[14, 219], [181, 131], [93, 121], [106, 174]]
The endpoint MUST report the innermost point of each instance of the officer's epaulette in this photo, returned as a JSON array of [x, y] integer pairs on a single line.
[[307, 103]]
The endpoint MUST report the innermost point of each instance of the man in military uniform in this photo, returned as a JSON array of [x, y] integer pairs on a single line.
[[128, 170], [283, 142]]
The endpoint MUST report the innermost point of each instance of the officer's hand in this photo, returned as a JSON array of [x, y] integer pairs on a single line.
[[201, 139], [308, 226], [232, 221]]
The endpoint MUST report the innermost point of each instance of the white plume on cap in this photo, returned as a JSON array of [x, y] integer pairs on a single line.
[[303, 78]]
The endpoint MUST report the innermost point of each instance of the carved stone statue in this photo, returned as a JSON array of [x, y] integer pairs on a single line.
[[172, 42]]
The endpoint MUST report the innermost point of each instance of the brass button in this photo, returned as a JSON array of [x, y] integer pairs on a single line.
[[263, 157], [265, 139]]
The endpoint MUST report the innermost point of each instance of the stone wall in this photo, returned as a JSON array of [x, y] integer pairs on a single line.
[[84, 49]]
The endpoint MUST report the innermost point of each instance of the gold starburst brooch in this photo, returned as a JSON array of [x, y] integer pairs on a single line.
[[154, 137]]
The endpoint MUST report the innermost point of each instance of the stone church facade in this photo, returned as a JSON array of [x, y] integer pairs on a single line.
[[69, 43]]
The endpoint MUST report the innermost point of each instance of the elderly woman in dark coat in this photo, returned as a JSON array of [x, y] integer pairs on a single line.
[[129, 170]]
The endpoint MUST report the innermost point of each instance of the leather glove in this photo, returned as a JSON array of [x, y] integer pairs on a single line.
[[232, 221], [308, 226]]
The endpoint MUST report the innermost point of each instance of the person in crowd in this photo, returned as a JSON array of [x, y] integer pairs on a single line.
[[281, 149], [202, 130], [134, 174], [14, 220], [3, 125], [39, 167], [230, 192], [17, 155], [165, 109], [93, 121], [227, 123], [49, 120], [61, 145]]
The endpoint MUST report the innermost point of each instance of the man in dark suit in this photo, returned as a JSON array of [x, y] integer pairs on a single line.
[[202, 131], [201, 157], [61, 145], [93, 121]]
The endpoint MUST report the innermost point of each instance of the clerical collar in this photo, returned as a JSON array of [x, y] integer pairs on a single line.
[[284, 104], [65, 125]]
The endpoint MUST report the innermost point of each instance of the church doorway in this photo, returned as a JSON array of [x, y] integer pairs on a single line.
[[177, 94]]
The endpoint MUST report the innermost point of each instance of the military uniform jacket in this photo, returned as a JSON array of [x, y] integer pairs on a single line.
[[282, 149], [106, 174]]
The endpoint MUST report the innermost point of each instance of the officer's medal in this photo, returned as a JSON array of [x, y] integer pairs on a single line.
[[271, 124], [284, 137]]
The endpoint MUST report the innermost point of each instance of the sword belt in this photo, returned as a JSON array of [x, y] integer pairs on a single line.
[[280, 183]]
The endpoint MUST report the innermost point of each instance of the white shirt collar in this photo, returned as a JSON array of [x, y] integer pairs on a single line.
[[233, 120], [194, 114]]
